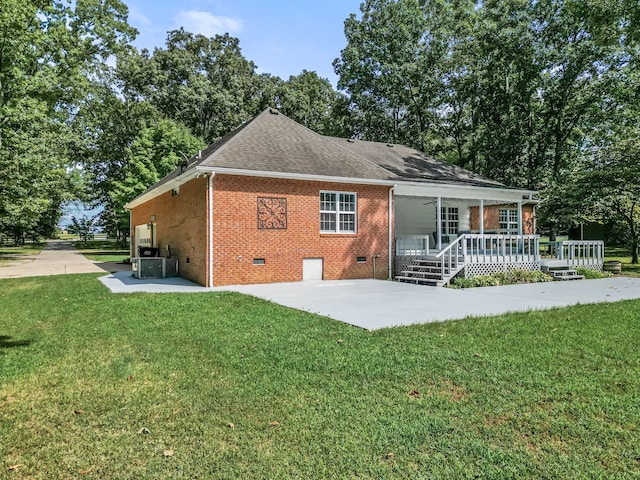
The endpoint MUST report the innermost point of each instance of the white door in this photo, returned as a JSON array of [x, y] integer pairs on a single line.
[[311, 269]]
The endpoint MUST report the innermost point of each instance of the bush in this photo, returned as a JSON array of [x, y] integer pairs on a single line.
[[512, 277], [591, 274]]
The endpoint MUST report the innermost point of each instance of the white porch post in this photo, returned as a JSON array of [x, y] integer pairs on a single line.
[[439, 222], [520, 218], [481, 216]]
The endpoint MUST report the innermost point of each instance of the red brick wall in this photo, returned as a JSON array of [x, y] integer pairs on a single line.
[[492, 218], [181, 223], [237, 239]]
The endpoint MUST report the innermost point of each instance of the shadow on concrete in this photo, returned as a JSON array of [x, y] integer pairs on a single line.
[[125, 282]]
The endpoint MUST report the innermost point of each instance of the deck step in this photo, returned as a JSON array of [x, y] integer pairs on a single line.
[[419, 268], [562, 273], [419, 281], [421, 275]]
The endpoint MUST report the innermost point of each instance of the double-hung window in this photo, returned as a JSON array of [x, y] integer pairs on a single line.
[[508, 218], [338, 212]]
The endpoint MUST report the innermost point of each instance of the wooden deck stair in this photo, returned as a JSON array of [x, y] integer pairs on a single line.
[[560, 270], [428, 271]]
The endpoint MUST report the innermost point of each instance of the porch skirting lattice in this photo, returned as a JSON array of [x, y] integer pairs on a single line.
[[478, 269]]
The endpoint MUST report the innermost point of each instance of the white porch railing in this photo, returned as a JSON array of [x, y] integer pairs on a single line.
[[501, 248], [412, 245], [476, 248], [452, 259], [580, 252]]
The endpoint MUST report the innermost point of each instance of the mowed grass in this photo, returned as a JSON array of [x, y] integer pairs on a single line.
[[103, 250], [10, 255], [622, 254], [221, 385]]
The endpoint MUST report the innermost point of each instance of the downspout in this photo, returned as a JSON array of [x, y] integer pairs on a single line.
[[210, 229], [131, 235], [390, 228]]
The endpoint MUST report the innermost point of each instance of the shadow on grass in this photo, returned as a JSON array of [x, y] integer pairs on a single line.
[[6, 342], [113, 267]]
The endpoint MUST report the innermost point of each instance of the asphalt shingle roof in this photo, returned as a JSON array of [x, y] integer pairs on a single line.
[[272, 142], [408, 164]]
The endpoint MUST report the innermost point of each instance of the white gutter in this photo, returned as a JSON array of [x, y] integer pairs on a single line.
[[294, 176], [390, 228], [210, 229]]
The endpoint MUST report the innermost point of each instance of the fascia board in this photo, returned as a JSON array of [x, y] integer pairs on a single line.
[[464, 191], [293, 176], [164, 188]]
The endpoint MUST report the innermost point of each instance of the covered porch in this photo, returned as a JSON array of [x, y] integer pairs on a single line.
[[446, 230]]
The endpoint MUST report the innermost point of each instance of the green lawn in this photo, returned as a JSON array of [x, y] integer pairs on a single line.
[[103, 250], [10, 255], [147, 386], [622, 255]]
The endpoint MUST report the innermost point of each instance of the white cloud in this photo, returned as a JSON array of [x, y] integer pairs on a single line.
[[206, 23], [136, 17]]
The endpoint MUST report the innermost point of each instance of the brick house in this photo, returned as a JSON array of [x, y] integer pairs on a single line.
[[273, 201]]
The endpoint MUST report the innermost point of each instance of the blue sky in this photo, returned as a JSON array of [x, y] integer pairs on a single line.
[[282, 37]]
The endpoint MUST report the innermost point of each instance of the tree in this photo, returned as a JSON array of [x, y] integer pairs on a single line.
[[509, 88], [49, 54], [309, 100], [203, 83], [391, 68], [83, 227]]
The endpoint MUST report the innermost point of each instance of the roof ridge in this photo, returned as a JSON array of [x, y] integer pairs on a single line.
[[223, 142]]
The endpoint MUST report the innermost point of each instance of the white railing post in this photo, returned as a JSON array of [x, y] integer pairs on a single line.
[[581, 252]]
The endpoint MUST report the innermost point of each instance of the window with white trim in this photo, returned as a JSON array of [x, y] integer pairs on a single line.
[[450, 220], [508, 218], [338, 212]]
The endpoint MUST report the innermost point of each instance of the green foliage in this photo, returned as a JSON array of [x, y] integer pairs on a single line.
[[309, 100], [83, 227], [508, 88], [511, 277], [48, 53], [550, 394], [203, 83], [590, 274]]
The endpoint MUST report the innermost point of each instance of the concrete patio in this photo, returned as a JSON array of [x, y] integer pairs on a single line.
[[375, 304]]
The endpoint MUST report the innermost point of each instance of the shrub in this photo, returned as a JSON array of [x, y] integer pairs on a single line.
[[512, 277], [591, 274]]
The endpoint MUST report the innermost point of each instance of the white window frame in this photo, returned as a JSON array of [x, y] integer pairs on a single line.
[[509, 218], [338, 212], [450, 220]]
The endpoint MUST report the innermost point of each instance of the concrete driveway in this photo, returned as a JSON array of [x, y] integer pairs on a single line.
[[374, 304], [58, 257]]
